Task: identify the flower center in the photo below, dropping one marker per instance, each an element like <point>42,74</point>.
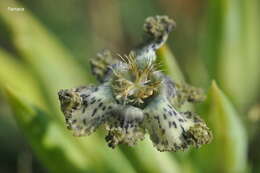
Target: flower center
<point>135,85</point>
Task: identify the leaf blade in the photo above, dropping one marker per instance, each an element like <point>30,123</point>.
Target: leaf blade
<point>228,150</point>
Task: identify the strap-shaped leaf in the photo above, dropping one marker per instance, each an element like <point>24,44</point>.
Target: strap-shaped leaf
<point>50,61</point>
<point>169,64</point>
<point>16,76</point>
<point>228,150</point>
<point>46,138</point>
<point>231,48</point>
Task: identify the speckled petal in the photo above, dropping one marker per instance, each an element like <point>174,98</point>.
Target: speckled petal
<point>170,130</point>
<point>93,107</point>
<point>124,126</point>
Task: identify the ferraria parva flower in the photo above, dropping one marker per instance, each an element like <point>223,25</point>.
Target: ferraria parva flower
<point>134,98</point>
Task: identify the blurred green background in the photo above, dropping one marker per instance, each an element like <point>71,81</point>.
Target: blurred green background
<point>46,47</point>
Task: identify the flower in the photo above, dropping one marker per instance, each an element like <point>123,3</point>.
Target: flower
<point>135,98</point>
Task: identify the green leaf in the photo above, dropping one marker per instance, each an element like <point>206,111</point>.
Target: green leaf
<point>169,64</point>
<point>17,77</point>
<point>54,67</point>
<point>104,155</point>
<point>231,48</point>
<point>212,37</point>
<point>147,159</point>
<point>228,150</point>
<point>50,144</point>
